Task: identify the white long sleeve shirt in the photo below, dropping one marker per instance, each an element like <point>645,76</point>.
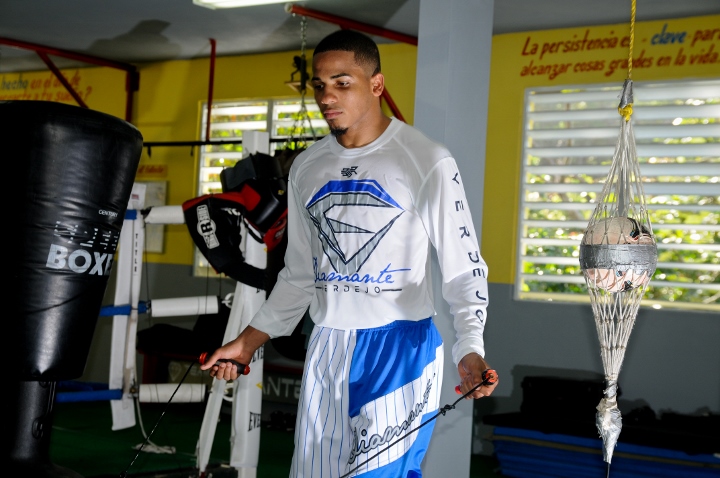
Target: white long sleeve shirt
<point>361,223</point>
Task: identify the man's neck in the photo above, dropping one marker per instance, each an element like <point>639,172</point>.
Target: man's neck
<point>365,133</point>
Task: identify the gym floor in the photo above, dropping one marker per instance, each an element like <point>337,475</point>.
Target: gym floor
<point>82,441</point>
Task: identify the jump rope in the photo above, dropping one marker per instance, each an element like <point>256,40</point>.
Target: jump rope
<point>243,369</point>
<point>489,377</point>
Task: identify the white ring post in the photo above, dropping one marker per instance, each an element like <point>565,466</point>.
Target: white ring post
<point>247,397</point>
<point>247,390</point>
<point>123,370</point>
<point>124,328</point>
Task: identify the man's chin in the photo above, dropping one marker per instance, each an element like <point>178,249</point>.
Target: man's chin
<point>338,131</point>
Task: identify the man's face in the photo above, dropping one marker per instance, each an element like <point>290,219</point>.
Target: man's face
<point>344,91</point>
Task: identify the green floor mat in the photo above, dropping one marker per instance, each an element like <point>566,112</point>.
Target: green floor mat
<point>82,440</point>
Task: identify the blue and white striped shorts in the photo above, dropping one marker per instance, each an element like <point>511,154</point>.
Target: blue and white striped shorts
<point>363,391</point>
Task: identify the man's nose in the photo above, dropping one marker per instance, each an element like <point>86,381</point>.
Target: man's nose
<point>326,97</point>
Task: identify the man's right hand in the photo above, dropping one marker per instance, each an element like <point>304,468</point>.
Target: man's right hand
<point>239,350</point>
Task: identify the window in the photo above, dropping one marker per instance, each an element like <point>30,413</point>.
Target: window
<point>282,118</point>
<point>288,125</point>
<point>569,141</point>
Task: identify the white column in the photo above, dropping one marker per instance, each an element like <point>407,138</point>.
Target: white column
<point>451,98</point>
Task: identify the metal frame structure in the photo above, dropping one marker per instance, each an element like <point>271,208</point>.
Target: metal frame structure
<point>211,85</point>
<point>132,76</point>
<point>132,79</point>
<point>347,23</point>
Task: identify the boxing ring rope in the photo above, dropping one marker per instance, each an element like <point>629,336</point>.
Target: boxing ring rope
<point>123,388</point>
<point>147,393</point>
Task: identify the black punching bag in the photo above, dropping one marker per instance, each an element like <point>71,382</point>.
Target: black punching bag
<point>70,172</point>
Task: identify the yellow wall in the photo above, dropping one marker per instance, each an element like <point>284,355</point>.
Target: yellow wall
<point>662,50</point>
<point>103,89</point>
<point>168,103</point>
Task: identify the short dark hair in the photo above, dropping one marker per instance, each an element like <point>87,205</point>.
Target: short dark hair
<point>362,46</point>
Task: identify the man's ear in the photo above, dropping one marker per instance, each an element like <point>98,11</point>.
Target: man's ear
<point>378,84</point>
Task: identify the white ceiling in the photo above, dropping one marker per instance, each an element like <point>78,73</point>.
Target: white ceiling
<point>136,31</point>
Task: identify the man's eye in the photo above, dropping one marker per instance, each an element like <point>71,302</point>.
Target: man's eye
<point>317,87</point>
<point>344,84</point>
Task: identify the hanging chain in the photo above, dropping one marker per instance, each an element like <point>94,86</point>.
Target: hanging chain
<point>303,113</point>
<point>303,35</point>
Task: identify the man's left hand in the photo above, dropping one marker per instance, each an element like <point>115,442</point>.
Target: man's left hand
<point>471,369</point>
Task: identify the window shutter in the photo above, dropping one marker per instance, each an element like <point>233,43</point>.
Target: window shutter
<point>569,142</point>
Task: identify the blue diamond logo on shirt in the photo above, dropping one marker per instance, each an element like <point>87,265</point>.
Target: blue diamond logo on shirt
<point>352,217</point>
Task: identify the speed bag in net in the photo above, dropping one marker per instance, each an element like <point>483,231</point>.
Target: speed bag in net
<point>71,171</point>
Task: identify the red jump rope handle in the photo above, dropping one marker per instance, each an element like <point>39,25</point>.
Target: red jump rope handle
<point>242,368</point>
<point>489,377</point>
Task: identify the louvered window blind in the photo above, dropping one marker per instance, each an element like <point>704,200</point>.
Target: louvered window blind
<point>569,139</point>
<point>230,119</point>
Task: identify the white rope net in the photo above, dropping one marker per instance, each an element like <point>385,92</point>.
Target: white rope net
<point>618,255</point>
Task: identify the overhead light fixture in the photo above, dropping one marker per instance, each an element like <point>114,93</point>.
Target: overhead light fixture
<point>213,4</point>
